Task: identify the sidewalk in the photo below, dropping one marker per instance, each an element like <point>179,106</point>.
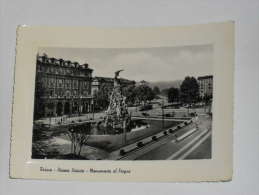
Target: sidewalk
<point>66,120</point>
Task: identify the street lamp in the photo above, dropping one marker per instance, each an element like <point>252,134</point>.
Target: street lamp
<point>124,126</point>
<point>163,118</point>
<point>93,107</point>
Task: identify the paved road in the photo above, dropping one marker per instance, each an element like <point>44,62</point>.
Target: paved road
<point>195,146</point>
<point>202,151</point>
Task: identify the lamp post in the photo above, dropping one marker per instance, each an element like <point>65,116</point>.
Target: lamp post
<point>93,107</point>
<point>124,126</point>
<point>163,118</point>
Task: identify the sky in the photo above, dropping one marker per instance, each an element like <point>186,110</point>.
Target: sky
<point>149,64</point>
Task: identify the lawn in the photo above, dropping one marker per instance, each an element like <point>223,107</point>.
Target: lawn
<point>43,139</point>
<point>113,142</point>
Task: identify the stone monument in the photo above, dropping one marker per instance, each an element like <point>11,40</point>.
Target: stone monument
<point>117,117</point>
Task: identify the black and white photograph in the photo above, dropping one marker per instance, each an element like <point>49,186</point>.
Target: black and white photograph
<point>129,97</point>
<point>151,103</point>
<point>133,104</point>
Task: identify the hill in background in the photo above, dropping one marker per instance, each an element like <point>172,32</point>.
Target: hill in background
<point>165,84</point>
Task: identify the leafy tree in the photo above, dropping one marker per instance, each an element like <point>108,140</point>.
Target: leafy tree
<point>173,94</point>
<point>207,99</point>
<point>156,90</point>
<point>189,90</point>
<point>144,93</point>
<point>130,93</point>
<point>101,98</point>
<point>164,92</point>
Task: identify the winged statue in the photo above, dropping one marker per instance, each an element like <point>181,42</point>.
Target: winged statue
<point>117,73</point>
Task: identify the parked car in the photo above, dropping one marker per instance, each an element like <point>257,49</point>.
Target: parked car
<point>140,144</point>
<point>122,152</point>
<point>146,107</point>
<point>145,114</point>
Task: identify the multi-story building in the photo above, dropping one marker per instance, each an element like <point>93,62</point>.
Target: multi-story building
<point>99,83</point>
<point>105,85</point>
<point>61,87</point>
<point>205,86</point>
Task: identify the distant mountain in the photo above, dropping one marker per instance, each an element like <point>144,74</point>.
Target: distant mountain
<point>165,84</point>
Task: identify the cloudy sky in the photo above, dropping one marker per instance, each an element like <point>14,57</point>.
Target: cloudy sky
<point>149,64</point>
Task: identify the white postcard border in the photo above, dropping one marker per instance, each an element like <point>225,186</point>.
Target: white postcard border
<point>29,39</point>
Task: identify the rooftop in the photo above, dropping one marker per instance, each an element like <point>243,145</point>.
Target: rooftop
<point>61,62</point>
<point>205,77</point>
<point>109,79</point>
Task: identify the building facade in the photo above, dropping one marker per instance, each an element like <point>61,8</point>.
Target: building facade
<point>205,86</point>
<point>99,83</point>
<point>62,88</point>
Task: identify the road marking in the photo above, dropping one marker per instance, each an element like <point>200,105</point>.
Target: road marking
<point>186,134</point>
<point>194,147</point>
<point>186,146</point>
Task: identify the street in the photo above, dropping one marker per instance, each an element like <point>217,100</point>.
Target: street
<point>189,148</point>
<point>192,141</point>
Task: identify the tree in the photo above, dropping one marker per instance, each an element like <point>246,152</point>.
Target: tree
<point>164,92</point>
<point>130,93</point>
<point>173,94</point>
<point>144,93</point>
<point>207,99</point>
<point>101,98</point>
<point>156,90</point>
<point>189,90</point>
<point>78,136</point>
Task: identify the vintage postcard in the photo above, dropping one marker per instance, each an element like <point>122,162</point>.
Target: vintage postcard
<point>123,104</point>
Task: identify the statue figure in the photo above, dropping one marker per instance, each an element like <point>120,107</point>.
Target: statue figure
<point>116,80</point>
<point>117,74</point>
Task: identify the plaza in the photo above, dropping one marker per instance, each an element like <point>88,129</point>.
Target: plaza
<point>196,143</point>
<point>78,116</point>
